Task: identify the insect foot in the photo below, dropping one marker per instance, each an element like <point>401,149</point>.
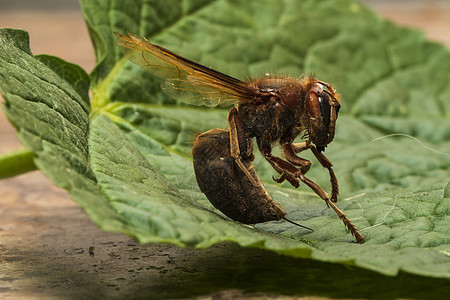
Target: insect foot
<point>348,224</point>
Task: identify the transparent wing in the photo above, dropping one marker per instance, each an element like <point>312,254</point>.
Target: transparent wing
<point>185,79</point>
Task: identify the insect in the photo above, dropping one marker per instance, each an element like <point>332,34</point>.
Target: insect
<point>272,109</point>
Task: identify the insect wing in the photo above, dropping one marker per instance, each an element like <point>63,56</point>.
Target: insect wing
<point>185,79</point>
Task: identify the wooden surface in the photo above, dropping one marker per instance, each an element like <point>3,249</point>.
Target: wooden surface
<point>48,246</point>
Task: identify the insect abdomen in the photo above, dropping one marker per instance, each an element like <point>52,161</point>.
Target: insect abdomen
<point>225,184</point>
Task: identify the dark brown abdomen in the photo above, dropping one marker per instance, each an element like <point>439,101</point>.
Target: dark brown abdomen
<point>225,185</point>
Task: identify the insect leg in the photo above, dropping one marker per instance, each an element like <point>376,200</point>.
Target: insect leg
<point>287,170</point>
<point>299,147</point>
<point>235,137</point>
<point>322,194</point>
<point>291,156</point>
<point>326,163</point>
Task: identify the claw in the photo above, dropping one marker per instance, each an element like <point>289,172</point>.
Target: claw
<point>280,179</point>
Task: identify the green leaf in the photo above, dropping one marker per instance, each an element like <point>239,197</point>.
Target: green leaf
<point>130,165</point>
<point>164,134</point>
<point>73,74</point>
<point>50,116</point>
<point>52,120</point>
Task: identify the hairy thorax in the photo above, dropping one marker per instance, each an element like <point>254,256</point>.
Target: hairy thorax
<point>277,113</point>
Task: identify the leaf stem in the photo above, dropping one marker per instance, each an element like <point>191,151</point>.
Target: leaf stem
<point>16,162</point>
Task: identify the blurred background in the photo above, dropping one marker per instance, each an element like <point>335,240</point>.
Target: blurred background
<point>37,215</point>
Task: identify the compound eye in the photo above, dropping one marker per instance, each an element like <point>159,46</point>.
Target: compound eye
<point>318,89</point>
<point>325,108</point>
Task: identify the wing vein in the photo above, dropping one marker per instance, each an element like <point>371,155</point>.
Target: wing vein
<point>185,79</point>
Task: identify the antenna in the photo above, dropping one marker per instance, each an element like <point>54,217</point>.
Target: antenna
<point>297,224</point>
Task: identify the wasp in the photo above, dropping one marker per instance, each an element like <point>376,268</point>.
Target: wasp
<point>271,109</point>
